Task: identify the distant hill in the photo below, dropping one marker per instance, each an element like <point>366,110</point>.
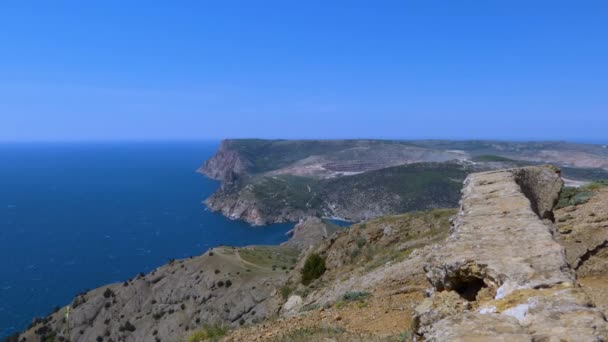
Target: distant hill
<point>266,181</point>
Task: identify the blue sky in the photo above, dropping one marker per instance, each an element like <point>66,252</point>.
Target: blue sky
<point>108,70</point>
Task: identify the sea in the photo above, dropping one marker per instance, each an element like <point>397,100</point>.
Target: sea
<point>75,216</point>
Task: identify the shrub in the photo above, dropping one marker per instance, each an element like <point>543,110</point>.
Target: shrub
<point>361,242</point>
<point>129,326</point>
<point>108,293</point>
<point>212,332</point>
<point>228,283</point>
<point>353,296</point>
<point>314,267</point>
<point>286,291</point>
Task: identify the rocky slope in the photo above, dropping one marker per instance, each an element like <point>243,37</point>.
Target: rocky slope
<point>226,286</point>
<point>376,193</point>
<point>503,272</point>
<point>268,181</point>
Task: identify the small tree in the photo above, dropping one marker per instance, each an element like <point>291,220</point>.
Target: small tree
<point>313,268</point>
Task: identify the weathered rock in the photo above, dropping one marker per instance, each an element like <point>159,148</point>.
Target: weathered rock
<point>443,304</point>
<point>583,231</point>
<point>498,240</point>
<point>501,246</point>
<point>292,307</point>
<point>226,163</point>
<point>472,327</point>
<point>311,231</point>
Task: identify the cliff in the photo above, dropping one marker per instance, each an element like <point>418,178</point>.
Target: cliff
<point>271,181</point>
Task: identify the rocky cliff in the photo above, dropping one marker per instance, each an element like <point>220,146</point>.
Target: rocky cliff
<point>226,164</point>
<point>268,181</point>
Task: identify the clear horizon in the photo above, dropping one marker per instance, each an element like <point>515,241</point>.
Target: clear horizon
<point>169,141</point>
<point>199,71</point>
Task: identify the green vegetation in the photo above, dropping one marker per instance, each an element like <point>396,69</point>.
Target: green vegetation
<point>414,229</point>
<point>574,196</point>
<point>405,336</point>
<point>288,191</point>
<point>209,333</point>
<point>400,189</point>
<point>270,256</point>
<point>491,158</point>
<point>356,295</point>
<point>267,155</point>
<point>286,291</point>
<point>314,267</point>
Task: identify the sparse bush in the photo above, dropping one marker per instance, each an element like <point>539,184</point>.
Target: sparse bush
<point>127,327</point>
<point>314,267</point>
<point>361,242</point>
<point>353,296</point>
<point>209,333</point>
<point>108,293</point>
<point>286,291</point>
<point>575,196</point>
<point>405,336</point>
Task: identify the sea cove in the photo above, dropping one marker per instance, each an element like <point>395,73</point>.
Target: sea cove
<point>75,216</point>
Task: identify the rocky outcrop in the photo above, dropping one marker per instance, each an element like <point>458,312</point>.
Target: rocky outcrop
<point>502,260</point>
<point>232,203</point>
<point>226,164</point>
<point>583,231</point>
<point>311,231</point>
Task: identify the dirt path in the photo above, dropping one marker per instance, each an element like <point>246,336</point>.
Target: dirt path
<point>238,255</point>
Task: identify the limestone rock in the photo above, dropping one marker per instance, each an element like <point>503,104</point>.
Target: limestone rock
<point>502,245</point>
<point>292,307</point>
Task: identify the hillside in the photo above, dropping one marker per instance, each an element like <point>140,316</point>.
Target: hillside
<point>392,190</point>
<point>466,283</point>
<point>268,181</point>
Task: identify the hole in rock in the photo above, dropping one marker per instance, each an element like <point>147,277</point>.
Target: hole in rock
<point>469,288</point>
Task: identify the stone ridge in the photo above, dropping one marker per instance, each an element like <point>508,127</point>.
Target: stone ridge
<point>502,269</point>
<point>498,236</point>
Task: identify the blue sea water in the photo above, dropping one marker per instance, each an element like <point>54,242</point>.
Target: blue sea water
<point>77,216</point>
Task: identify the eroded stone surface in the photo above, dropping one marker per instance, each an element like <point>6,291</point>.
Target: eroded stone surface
<point>497,236</point>
<point>502,258</point>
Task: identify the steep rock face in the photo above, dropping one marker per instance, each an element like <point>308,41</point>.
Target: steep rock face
<point>583,231</point>
<point>503,260</point>
<point>226,163</point>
